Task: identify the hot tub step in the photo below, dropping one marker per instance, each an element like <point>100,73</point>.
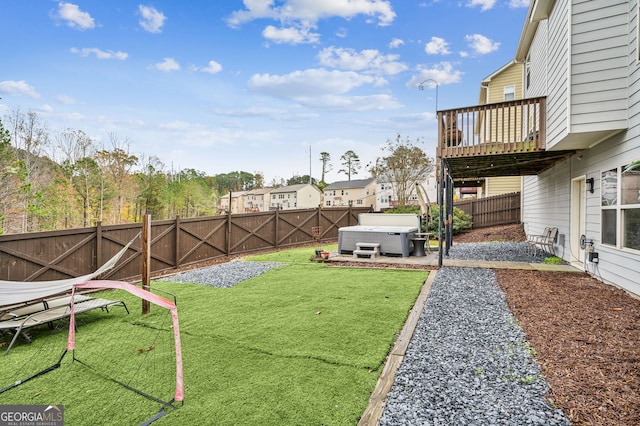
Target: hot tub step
<point>371,253</point>
<point>368,246</point>
<point>367,249</point>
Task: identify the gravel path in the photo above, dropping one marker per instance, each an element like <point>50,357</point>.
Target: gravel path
<point>224,275</point>
<point>468,362</point>
<point>502,252</point>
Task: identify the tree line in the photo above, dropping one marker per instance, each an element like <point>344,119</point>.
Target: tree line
<point>64,179</point>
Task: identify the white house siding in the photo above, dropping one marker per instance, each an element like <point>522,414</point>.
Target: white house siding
<point>599,54</point>
<point>558,73</point>
<point>547,197</point>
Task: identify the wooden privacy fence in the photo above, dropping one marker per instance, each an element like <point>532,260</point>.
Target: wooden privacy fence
<point>175,243</point>
<point>492,211</point>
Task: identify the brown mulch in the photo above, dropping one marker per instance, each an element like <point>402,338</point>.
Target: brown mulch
<point>586,335</point>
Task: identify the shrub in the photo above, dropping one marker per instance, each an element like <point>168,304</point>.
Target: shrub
<point>461,220</point>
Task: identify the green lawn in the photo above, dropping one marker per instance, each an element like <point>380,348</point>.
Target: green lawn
<point>302,344</point>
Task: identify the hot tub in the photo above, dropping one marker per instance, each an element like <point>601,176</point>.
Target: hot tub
<point>393,240</point>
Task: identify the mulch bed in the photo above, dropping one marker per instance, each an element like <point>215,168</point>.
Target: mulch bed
<point>587,338</point>
<point>586,335</point>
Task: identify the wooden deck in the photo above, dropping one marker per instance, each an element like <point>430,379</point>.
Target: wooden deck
<point>500,139</point>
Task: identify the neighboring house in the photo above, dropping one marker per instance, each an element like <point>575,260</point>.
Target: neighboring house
<point>357,192</point>
<point>506,84</point>
<point>257,200</point>
<point>386,197</point>
<point>573,136</point>
<point>235,204</point>
<point>301,196</point>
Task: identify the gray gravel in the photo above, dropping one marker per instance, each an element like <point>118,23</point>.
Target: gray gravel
<point>507,251</point>
<point>468,362</point>
<point>224,275</point>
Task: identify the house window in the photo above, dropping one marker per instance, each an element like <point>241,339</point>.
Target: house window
<point>328,203</point>
<point>621,206</point>
<point>609,199</point>
<point>359,202</point>
<point>509,93</point>
<point>630,205</point>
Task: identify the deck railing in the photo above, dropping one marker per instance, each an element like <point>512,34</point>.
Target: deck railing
<point>498,128</point>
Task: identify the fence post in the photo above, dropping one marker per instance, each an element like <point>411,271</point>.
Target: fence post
<point>177,239</point>
<point>146,259</point>
<point>276,227</point>
<point>98,244</point>
<point>228,245</point>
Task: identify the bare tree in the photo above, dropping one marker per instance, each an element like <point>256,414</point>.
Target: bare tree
<point>117,165</point>
<point>29,136</point>
<point>6,186</point>
<point>405,165</point>
<point>74,152</point>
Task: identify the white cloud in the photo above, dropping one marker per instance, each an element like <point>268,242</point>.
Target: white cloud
<point>18,88</point>
<point>290,35</point>
<point>212,68</point>
<point>152,20</point>
<point>351,103</point>
<point>321,88</point>
<point>313,11</point>
<point>74,17</point>
<point>304,14</point>
<point>271,113</point>
<point>484,4</point>
<point>443,73</point>
<point>437,46</point>
<point>100,54</point>
<point>519,3</point>
<point>395,43</point>
<point>66,100</point>
<point>481,44</point>
<point>369,60</point>
<point>169,64</point>
<point>310,82</point>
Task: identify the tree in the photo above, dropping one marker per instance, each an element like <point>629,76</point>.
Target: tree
<point>116,165</point>
<point>29,136</point>
<point>325,158</point>
<point>6,158</point>
<point>75,150</point>
<point>405,165</point>
<point>296,180</point>
<point>350,164</point>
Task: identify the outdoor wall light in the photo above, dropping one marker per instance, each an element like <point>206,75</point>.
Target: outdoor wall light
<point>590,183</point>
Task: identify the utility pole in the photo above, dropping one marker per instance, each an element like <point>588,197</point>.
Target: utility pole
<point>310,180</point>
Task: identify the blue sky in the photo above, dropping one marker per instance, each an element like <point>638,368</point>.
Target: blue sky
<point>254,85</point>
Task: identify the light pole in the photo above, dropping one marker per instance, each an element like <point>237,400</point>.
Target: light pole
<point>440,183</point>
<point>421,87</point>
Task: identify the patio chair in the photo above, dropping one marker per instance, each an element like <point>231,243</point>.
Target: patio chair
<point>545,242</point>
<point>20,320</point>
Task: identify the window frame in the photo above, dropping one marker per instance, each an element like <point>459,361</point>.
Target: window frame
<point>618,206</point>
